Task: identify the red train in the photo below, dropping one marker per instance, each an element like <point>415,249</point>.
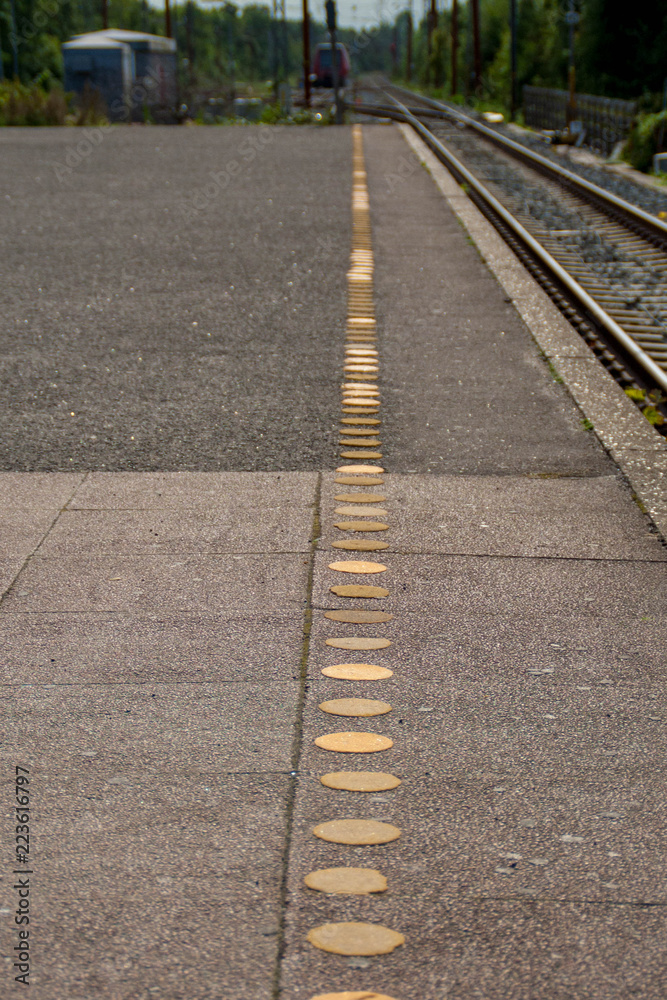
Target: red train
<point>323,65</point>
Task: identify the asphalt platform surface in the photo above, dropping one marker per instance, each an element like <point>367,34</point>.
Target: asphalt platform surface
<point>173,333</point>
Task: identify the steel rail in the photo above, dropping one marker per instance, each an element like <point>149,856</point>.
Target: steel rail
<point>643,219</point>
<point>579,294</point>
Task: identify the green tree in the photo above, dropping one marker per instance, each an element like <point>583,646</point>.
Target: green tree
<point>622,48</point>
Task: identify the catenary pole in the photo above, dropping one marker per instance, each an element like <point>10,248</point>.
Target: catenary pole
<point>513,94</point>
<point>455,46</point>
<point>306,54</point>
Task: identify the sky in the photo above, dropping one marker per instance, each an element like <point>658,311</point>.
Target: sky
<point>351,13</point>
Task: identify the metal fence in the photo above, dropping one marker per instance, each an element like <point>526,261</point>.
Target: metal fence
<point>606,121</point>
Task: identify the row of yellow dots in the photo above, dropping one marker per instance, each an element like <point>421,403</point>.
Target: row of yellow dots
<point>359,441</point>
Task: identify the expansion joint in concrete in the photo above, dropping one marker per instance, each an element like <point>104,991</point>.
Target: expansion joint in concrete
<point>41,540</point>
<point>297,739</point>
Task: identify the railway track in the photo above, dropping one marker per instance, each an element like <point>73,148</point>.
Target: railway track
<point>602,259</point>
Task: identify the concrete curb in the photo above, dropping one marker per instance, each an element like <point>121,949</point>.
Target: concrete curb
<point>633,444</point>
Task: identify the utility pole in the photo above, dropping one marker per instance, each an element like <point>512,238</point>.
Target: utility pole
<point>231,55</point>
<point>13,38</point>
<point>167,19</point>
<point>408,45</point>
<point>306,54</point>
<point>105,15</point>
<point>432,24</point>
<point>572,20</point>
<point>455,46</point>
<point>280,54</point>
<point>477,52</point>
<point>512,60</point>
<point>189,41</point>
<point>331,25</point>
<point>274,53</point>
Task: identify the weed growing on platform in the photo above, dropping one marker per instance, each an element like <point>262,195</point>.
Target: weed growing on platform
<point>648,403</point>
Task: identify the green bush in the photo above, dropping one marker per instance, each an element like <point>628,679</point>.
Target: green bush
<point>31,104</point>
<point>644,140</point>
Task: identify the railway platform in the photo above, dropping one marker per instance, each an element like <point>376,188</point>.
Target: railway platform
<point>346,680</point>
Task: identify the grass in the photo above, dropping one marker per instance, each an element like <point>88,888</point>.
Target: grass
<point>31,104</point>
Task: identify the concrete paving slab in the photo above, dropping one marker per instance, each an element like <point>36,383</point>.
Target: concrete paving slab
<point>44,491</point>
<point>176,726</point>
<point>238,833</point>
<point>501,586</point>
<point>194,490</point>
<point>9,570</point>
<point>102,648</point>
<point>585,518</point>
<point>147,583</point>
<point>240,529</point>
<point>21,531</point>
<point>161,936</point>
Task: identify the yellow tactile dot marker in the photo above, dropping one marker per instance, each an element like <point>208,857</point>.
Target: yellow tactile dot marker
<point>360,398</point>
<point>360,525</point>
<point>358,590</point>
<point>361,781</point>
<point>360,498</point>
<point>354,995</point>
<point>346,881</point>
<point>363,832</point>
<point>354,742</point>
<point>366,470</point>
<point>358,642</point>
<point>360,545</point>
<point>360,442</point>
<point>362,511</point>
<point>355,708</point>
<point>358,481</point>
<point>357,672</point>
<point>353,617</point>
<point>357,566</point>
<point>355,939</point>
